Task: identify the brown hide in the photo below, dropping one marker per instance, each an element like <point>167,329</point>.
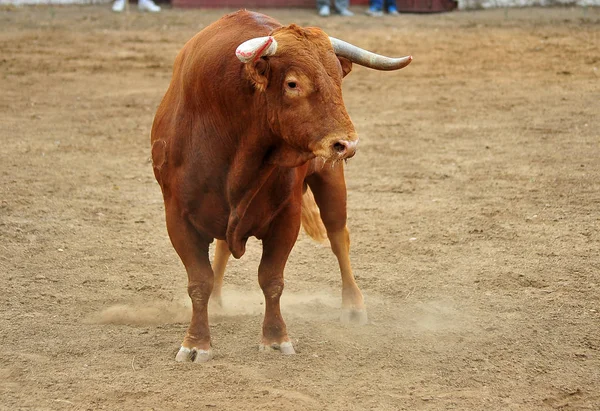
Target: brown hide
<point>232,142</point>
<point>233,147</point>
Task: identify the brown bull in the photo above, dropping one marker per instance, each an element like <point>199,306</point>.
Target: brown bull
<point>253,116</point>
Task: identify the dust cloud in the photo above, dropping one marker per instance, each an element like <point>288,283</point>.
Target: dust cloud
<point>235,303</point>
<point>147,314</point>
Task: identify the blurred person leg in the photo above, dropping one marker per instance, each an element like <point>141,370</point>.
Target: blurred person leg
<point>392,9</point>
<point>341,7</point>
<point>323,8</point>
<point>375,8</point>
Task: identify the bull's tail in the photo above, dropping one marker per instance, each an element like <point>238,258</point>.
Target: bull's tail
<point>311,218</point>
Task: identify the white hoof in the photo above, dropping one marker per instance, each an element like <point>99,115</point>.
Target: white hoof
<point>353,316</point>
<point>193,355</point>
<point>285,348</point>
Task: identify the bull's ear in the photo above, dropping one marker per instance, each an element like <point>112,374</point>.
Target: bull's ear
<point>258,73</point>
<point>346,65</point>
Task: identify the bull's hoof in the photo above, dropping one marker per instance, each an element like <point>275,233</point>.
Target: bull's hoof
<point>354,316</point>
<point>193,355</point>
<point>285,348</point>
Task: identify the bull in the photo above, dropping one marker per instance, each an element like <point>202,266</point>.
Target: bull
<point>248,141</point>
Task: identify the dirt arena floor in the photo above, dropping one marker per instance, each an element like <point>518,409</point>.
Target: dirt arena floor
<point>474,208</point>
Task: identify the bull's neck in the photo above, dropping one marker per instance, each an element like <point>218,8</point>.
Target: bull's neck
<point>258,146</point>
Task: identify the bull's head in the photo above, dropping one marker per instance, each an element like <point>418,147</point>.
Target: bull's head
<point>301,71</point>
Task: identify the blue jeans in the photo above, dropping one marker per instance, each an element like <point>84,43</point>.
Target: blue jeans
<point>378,4</point>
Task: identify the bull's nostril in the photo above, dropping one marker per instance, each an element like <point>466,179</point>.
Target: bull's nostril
<point>339,147</point>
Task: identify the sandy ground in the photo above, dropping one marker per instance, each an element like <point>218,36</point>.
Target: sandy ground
<point>474,207</point>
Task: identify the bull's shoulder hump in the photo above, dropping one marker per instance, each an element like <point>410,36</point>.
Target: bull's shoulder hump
<point>252,18</point>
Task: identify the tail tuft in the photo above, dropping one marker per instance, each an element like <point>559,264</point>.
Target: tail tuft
<point>311,218</point>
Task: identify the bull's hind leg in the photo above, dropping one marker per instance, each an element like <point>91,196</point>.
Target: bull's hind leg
<point>193,251</point>
<point>329,189</point>
<point>222,254</point>
<point>277,246</point>
<point>353,306</point>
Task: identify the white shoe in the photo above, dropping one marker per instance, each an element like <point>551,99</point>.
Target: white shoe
<point>346,13</point>
<point>374,13</point>
<point>324,11</point>
<point>118,6</point>
<point>148,5</point>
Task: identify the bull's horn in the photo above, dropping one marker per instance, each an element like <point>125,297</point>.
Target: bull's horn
<point>366,58</point>
<point>255,48</point>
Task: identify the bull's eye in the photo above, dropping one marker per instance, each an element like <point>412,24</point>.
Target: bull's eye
<point>291,84</point>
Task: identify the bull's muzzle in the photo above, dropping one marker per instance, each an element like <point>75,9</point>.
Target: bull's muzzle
<point>344,149</point>
<point>336,146</point>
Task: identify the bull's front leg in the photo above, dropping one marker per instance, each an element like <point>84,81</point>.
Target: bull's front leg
<point>193,251</point>
<point>277,246</point>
